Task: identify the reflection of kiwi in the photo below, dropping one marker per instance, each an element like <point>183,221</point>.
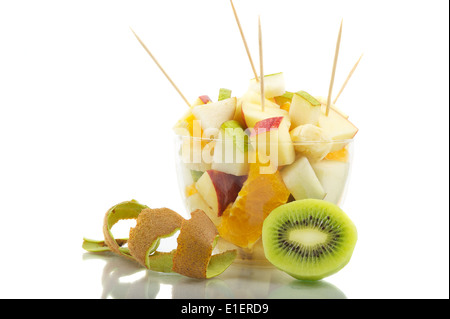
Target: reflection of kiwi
<point>307,290</point>
<point>309,239</point>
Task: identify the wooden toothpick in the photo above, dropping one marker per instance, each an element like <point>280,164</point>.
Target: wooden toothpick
<point>348,78</point>
<point>243,39</point>
<point>160,67</point>
<point>336,54</point>
<point>261,70</point>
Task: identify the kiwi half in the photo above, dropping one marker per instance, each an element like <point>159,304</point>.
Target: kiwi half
<point>309,239</point>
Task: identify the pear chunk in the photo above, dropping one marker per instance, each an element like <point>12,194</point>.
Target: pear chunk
<point>212,115</point>
<point>301,180</point>
<point>230,152</point>
<point>333,176</point>
<point>304,109</point>
<point>273,85</point>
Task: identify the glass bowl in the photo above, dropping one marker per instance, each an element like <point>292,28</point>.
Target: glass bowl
<point>238,184</point>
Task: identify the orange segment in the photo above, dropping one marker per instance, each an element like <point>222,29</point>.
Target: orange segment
<point>341,155</point>
<point>285,106</point>
<point>190,190</point>
<point>242,221</point>
<point>187,122</point>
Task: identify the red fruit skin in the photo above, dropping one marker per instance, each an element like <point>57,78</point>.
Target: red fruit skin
<point>205,99</point>
<point>227,188</point>
<point>267,125</point>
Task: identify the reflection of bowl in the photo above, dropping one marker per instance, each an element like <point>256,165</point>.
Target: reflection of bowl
<point>210,179</point>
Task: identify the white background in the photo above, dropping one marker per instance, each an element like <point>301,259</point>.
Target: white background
<point>86,117</point>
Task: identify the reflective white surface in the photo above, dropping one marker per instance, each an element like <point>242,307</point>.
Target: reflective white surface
<point>124,279</point>
<point>86,118</point>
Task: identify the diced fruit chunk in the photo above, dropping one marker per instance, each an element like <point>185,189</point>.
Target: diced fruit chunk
<point>224,94</point>
<point>185,125</point>
<point>286,97</point>
<point>304,109</point>
<point>202,99</point>
<point>219,189</point>
<point>230,152</point>
<point>196,175</point>
<point>195,154</point>
<point>196,201</point>
<point>311,141</point>
<point>324,101</point>
<point>336,126</point>
<point>242,221</point>
<point>212,115</point>
<point>272,141</point>
<point>341,155</point>
<point>190,190</point>
<point>301,180</point>
<point>252,113</point>
<point>333,177</point>
<point>255,98</point>
<point>273,85</point>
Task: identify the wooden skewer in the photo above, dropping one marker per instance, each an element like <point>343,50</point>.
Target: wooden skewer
<point>160,67</point>
<point>243,39</point>
<point>334,69</point>
<point>348,78</point>
<point>261,71</point>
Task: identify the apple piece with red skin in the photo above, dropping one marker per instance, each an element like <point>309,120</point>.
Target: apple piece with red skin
<point>202,99</point>
<point>267,124</point>
<point>253,113</point>
<point>219,189</point>
<point>270,133</point>
<point>205,99</point>
<point>337,126</point>
<point>324,101</point>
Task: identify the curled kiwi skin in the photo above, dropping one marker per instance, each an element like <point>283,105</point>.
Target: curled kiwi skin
<point>193,256</point>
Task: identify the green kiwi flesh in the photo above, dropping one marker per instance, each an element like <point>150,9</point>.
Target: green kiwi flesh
<point>309,239</point>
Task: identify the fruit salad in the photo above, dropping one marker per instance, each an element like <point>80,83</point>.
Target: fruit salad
<point>239,158</point>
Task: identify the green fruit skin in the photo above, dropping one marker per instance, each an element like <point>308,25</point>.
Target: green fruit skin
<point>238,134</point>
<point>352,237</point>
<point>224,94</point>
<point>311,100</point>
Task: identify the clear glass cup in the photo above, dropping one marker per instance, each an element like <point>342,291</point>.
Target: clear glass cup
<point>234,183</point>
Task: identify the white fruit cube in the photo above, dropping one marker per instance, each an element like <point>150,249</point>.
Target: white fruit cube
<point>253,113</point>
<point>301,180</point>
<point>273,85</point>
<point>196,156</point>
<point>229,157</point>
<point>196,201</point>
<point>255,98</point>
<point>336,126</point>
<point>333,177</point>
<point>304,109</point>
<point>271,138</point>
<point>212,115</point>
